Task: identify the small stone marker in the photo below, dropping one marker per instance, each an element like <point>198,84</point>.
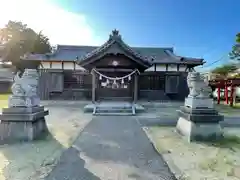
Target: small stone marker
<point>198,120</point>
<point>24,119</point>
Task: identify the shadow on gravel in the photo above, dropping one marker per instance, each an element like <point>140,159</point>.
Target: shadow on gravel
<point>116,142</point>
<point>71,167</point>
<point>121,141</point>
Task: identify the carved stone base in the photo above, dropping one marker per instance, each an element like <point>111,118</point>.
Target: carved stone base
<point>199,131</point>
<point>22,124</point>
<point>199,124</point>
<point>200,115</point>
<point>23,101</point>
<point>195,102</point>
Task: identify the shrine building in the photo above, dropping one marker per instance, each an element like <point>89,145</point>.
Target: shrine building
<point>113,71</point>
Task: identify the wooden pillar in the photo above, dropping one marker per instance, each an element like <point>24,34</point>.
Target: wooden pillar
<point>135,87</point>
<point>226,92</point>
<point>93,86</point>
<point>231,96</point>
<point>218,96</point>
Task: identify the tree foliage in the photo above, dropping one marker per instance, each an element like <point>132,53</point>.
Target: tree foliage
<point>224,70</point>
<point>19,39</point>
<point>235,53</point>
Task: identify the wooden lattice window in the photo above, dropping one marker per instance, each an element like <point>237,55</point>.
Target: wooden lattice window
<point>152,82</point>
<point>77,80</point>
<point>172,83</point>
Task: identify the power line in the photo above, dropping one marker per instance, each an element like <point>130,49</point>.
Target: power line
<point>220,59</point>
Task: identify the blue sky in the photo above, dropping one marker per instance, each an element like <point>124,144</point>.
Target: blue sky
<point>197,28</point>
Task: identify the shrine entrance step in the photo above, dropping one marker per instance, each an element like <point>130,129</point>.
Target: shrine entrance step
<point>115,99</point>
<point>114,109</point>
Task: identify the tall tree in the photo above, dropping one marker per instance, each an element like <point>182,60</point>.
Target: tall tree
<point>18,39</point>
<point>235,53</point>
<point>224,70</point>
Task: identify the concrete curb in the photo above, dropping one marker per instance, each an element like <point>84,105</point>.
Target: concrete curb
<point>175,170</point>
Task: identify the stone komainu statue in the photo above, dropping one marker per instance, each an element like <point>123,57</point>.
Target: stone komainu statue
<point>197,86</point>
<point>26,85</point>
<point>24,89</point>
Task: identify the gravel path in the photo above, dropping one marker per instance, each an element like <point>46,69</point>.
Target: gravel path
<point>111,148</point>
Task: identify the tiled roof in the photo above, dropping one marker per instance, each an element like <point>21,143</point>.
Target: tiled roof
<point>82,53</point>
<point>70,53</point>
<point>115,38</point>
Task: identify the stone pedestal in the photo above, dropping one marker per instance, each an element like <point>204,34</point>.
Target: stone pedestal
<point>22,124</point>
<point>199,124</point>
<point>24,119</point>
<point>198,120</point>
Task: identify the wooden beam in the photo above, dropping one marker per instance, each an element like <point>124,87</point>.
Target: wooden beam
<point>226,93</point>
<point>114,70</point>
<point>218,97</point>
<point>135,88</point>
<point>93,86</point>
<point>231,96</point>
<point>74,66</point>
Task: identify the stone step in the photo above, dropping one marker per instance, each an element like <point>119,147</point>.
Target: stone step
<point>133,110</point>
<point>113,114</point>
<point>114,110</point>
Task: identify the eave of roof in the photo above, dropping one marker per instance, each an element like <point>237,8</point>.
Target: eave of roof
<point>174,59</point>
<point>147,55</point>
<point>115,37</point>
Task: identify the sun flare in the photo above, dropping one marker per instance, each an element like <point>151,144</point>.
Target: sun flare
<point>60,25</point>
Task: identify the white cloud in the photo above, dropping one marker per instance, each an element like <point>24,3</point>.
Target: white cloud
<point>60,25</point>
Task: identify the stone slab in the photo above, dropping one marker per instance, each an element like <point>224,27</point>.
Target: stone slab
<point>11,131</point>
<point>90,107</point>
<point>23,117</point>
<point>201,118</point>
<point>27,101</point>
<point>22,110</point>
<point>139,107</point>
<point>195,102</point>
<point>199,131</point>
<point>198,110</point>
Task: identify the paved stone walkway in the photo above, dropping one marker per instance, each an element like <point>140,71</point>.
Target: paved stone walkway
<point>111,148</point>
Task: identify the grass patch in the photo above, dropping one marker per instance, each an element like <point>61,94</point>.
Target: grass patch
<point>207,159</point>
<point>4,96</point>
<point>4,100</point>
<point>222,162</point>
<point>227,110</point>
<point>228,141</point>
<point>236,106</point>
<point>218,164</point>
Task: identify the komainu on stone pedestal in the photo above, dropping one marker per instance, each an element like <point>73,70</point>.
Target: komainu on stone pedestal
<point>198,120</point>
<point>24,119</point>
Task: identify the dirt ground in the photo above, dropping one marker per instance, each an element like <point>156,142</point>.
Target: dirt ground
<point>198,161</point>
<point>33,161</point>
